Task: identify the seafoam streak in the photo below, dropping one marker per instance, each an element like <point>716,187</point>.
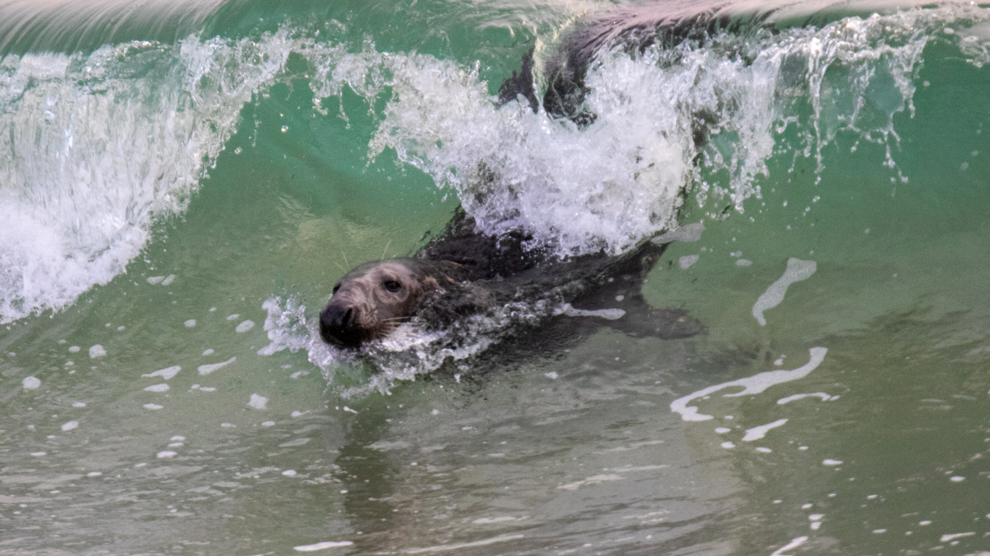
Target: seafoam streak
<point>750,385</point>
<point>797,270</point>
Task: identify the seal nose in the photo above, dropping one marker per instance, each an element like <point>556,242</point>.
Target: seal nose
<point>337,325</point>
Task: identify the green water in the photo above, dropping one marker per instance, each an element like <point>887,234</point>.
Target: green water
<point>169,201</point>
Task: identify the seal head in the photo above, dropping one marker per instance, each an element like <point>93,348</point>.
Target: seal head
<point>373,299</point>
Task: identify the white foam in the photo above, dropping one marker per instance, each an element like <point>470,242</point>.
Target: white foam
<point>292,443</point>
<point>70,425</point>
<point>245,326</point>
<point>750,385</point>
<point>152,406</point>
<point>687,261</point>
<point>795,542</point>
<point>321,546</point>
<point>687,233</point>
<point>207,369</point>
<point>607,314</point>
<point>821,395</point>
<point>166,454</point>
<point>165,373</point>
<point>759,432</point>
<point>30,383</point>
<point>258,401</point>
<point>158,388</point>
<point>97,351</point>
<point>797,270</point>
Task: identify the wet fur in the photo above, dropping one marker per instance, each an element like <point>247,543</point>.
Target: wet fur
<point>463,272</point>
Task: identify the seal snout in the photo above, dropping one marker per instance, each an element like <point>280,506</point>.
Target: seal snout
<point>337,325</point>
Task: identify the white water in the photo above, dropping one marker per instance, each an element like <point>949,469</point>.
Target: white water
<point>100,146</point>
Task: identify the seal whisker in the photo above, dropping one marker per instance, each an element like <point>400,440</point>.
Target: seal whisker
<point>385,250</point>
<point>396,319</point>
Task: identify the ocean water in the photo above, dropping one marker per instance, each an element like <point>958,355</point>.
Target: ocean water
<point>182,183</point>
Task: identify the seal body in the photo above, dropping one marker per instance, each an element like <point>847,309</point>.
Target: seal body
<point>463,273</point>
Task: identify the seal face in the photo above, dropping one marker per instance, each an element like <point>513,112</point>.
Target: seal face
<point>371,300</point>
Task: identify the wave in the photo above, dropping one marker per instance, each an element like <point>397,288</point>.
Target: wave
<point>101,146</point>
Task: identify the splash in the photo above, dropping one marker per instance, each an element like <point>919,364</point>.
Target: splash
<point>101,146</point>
<point>700,119</point>
<point>413,349</point>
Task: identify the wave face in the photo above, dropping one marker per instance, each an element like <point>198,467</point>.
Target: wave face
<point>101,146</point>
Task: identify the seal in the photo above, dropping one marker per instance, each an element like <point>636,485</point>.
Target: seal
<point>463,273</point>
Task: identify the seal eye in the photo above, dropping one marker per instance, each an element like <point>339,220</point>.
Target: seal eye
<point>392,285</point>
